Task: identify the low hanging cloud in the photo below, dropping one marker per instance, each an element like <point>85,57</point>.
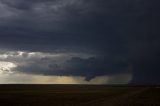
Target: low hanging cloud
<point>65,65</point>
<point>76,66</point>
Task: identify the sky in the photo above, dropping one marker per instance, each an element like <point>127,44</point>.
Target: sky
<point>79,41</point>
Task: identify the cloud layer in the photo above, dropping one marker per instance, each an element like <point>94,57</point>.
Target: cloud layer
<point>83,65</point>
<point>82,38</point>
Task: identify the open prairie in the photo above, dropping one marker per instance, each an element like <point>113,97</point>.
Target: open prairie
<point>79,95</point>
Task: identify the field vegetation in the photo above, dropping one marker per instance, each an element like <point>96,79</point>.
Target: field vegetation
<point>79,95</point>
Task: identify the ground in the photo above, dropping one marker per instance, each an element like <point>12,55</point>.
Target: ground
<point>79,95</point>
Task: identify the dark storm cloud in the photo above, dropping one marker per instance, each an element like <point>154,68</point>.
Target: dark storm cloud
<point>76,66</point>
<point>116,29</point>
<point>43,25</point>
<point>145,43</point>
<point>60,25</point>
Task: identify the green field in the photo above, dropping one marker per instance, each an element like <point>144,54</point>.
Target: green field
<point>78,95</point>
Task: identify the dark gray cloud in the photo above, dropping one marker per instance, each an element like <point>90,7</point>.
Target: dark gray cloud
<point>63,64</point>
<point>76,66</point>
<point>126,30</point>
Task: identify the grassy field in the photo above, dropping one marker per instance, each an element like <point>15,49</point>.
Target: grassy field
<point>78,95</point>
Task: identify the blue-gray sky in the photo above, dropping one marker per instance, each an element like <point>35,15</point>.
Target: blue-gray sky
<point>114,39</point>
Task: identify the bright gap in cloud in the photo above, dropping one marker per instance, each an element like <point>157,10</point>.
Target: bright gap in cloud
<point>6,67</point>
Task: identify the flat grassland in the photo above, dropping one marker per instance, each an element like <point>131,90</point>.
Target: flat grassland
<point>79,95</point>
